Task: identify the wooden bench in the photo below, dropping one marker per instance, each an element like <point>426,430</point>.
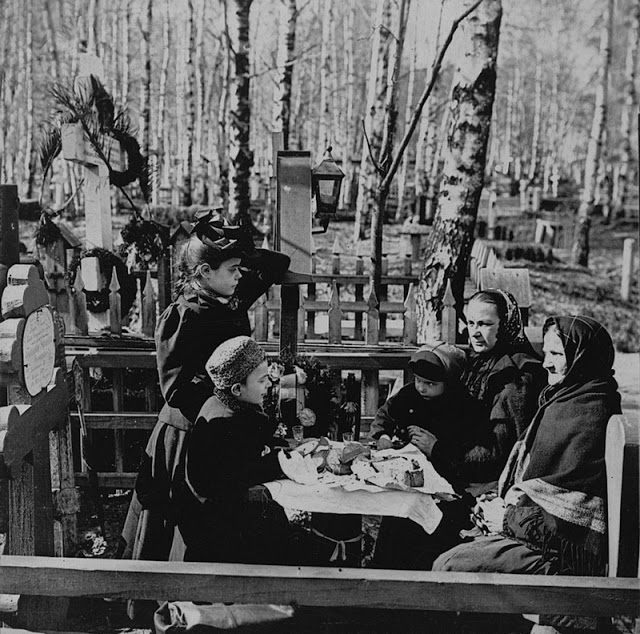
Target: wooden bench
<point>618,594</point>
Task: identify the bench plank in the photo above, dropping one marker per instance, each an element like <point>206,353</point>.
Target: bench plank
<point>309,586</point>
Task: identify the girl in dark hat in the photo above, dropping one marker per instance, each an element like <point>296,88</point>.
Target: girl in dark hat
<point>549,516</point>
<point>222,275</point>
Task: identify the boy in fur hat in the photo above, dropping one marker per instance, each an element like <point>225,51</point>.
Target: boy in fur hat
<point>432,411</point>
<point>224,513</point>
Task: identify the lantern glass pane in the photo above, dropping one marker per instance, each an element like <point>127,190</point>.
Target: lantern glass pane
<point>325,189</point>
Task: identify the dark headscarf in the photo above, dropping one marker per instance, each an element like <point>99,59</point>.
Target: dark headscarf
<point>559,464</point>
<point>511,340</point>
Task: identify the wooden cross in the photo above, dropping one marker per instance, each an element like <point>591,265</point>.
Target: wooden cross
<point>77,148</point>
<point>38,395</point>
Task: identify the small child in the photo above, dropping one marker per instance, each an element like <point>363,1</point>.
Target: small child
<point>431,412</point>
<point>223,515</point>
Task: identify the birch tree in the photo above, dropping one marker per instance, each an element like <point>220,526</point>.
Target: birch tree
<point>190,105</point>
<point>286,51</point>
<point>144,125</point>
<point>349,75</point>
<point>628,109</point>
<point>374,117</point>
<point>240,156</point>
<point>450,241</point>
<point>580,249</point>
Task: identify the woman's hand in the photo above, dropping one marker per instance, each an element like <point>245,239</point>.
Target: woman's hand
<point>422,439</point>
<point>490,510</point>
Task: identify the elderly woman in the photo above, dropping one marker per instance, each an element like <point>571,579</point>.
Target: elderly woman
<point>503,376</point>
<point>550,517</point>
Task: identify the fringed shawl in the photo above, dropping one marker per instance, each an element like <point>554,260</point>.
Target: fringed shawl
<point>559,463</point>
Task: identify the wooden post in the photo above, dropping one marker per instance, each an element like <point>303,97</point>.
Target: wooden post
<point>492,215</point>
<point>261,319</point>
<point>78,306</point>
<point>448,328</point>
<point>384,270</point>
<point>9,237</point>
<point>311,295</point>
<point>627,268</point>
<point>359,293</point>
<point>524,196</point>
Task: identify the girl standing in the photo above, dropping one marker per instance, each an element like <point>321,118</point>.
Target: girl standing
<point>222,275</point>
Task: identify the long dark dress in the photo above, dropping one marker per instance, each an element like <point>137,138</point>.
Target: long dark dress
<point>554,484</point>
<point>188,332</point>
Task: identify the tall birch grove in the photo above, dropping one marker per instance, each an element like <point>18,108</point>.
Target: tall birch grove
<point>207,83</point>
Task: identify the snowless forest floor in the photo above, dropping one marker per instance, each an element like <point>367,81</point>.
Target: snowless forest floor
<point>557,288</point>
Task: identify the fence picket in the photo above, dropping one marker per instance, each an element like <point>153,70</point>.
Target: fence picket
<point>148,307</point>
<point>335,315</point>
<point>261,319</point>
<point>115,308</point>
<point>373,318</point>
<point>448,322</point>
<point>410,325</point>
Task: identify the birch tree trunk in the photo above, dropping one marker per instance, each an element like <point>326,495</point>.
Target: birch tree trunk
<point>190,105</point>
<point>384,158</point>
<point>537,118</point>
<point>162,144</point>
<point>29,152</point>
<point>580,249</point>
<point>324,137</point>
<point>240,156</point>
<point>374,118</point>
<point>144,124</point>
<point>52,45</point>
<point>408,111</point>
<point>628,109</point>
<point>223,145</point>
<point>350,80</point>
<point>286,51</point>
<point>198,83</point>
<point>473,93</point>
<point>124,24</point>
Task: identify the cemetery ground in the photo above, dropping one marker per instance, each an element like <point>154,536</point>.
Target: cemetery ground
<point>557,287</point>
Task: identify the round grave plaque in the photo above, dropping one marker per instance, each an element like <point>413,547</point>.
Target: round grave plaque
<point>38,350</point>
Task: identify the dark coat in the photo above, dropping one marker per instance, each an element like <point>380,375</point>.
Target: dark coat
<point>188,332</point>
<point>446,417</point>
<point>502,411</point>
<point>222,515</point>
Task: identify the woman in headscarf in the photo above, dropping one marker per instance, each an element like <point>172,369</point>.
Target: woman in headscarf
<point>503,376</point>
<point>549,516</point>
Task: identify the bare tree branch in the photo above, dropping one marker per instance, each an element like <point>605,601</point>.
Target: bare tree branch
<point>366,138</point>
<point>386,183</point>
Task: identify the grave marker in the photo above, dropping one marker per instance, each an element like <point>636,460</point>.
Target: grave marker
<point>37,393</point>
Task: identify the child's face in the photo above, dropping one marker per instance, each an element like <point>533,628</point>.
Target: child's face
<point>224,279</point>
<point>429,389</point>
<point>254,389</point>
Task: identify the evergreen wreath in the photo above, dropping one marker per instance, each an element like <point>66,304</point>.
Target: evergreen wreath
<point>98,301</point>
<point>143,242</point>
<point>93,107</point>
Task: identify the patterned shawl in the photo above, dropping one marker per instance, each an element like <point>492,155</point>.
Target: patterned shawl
<point>559,463</point>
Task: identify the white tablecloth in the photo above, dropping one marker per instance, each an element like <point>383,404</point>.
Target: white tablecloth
<point>345,494</point>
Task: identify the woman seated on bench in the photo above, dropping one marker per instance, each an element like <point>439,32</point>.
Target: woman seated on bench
<point>549,516</point>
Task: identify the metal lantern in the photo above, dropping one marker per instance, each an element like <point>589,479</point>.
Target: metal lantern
<point>326,179</point>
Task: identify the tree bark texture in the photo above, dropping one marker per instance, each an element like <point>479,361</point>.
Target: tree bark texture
<point>450,241</point>
<point>628,109</point>
<point>580,248</point>
<point>144,125</point>
<point>240,156</point>
<point>374,117</point>
<point>350,79</point>
<point>190,105</point>
<point>537,122</point>
<point>286,51</point>
<point>162,146</point>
